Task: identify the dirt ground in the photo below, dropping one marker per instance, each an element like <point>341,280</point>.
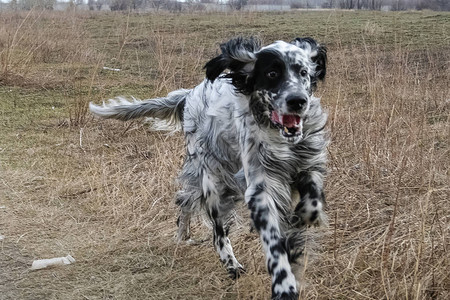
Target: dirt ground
<point>102,191</point>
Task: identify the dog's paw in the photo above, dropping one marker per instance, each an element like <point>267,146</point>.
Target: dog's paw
<point>236,272</point>
<point>291,295</point>
<point>310,213</point>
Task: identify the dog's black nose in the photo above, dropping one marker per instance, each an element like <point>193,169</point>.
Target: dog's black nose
<point>296,102</point>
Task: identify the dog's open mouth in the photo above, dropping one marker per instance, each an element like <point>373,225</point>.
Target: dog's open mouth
<point>290,125</point>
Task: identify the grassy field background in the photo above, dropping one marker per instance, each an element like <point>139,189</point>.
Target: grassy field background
<point>103,191</point>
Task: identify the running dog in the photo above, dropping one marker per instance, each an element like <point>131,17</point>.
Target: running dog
<point>255,132</point>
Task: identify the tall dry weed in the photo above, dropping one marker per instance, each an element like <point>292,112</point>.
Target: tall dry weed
<point>175,60</point>
<point>40,46</point>
<point>389,180</point>
<point>42,49</point>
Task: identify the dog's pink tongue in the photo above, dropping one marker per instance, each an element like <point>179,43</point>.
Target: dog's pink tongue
<point>290,120</point>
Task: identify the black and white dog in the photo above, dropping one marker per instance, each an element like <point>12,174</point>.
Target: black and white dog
<point>258,132</point>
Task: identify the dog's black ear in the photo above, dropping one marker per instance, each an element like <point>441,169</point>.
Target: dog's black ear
<point>318,54</point>
<point>236,53</point>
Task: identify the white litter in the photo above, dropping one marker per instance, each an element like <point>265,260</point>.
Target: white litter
<point>44,263</point>
<point>2,206</point>
<point>111,69</point>
<point>2,237</point>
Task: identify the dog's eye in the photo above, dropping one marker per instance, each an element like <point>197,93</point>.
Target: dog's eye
<point>272,74</point>
<point>303,73</point>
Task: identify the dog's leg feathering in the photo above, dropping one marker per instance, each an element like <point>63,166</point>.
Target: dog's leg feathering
<point>184,223</point>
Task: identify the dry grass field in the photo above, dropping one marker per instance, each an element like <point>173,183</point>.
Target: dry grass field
<point>103,191</point>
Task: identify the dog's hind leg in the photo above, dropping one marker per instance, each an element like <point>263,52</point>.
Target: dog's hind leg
<point>189,202</point>
<point>219,204</point>
<point>223,246</point>
<point>184,222</point>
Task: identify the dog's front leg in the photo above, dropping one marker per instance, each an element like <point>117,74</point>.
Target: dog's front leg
<point>266,220</point>
<point>309,211</point>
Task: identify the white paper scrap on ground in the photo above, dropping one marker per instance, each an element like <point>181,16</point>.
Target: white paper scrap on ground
<point>44,263</point>
<point>111,69</point>
<point>2,237</point>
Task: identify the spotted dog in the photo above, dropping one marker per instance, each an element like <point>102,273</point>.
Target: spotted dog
<point>255,132</point>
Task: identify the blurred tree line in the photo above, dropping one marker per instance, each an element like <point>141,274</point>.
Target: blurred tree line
<point>29,4</point>
<point>443,5</point>
<point>390,4</point>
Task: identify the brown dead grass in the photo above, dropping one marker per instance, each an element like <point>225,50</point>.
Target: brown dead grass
<point>102,190</point>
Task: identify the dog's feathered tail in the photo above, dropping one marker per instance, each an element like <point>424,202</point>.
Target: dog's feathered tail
<point>167,109</point>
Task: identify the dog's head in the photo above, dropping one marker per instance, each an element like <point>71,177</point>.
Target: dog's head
<point>279,78</point>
